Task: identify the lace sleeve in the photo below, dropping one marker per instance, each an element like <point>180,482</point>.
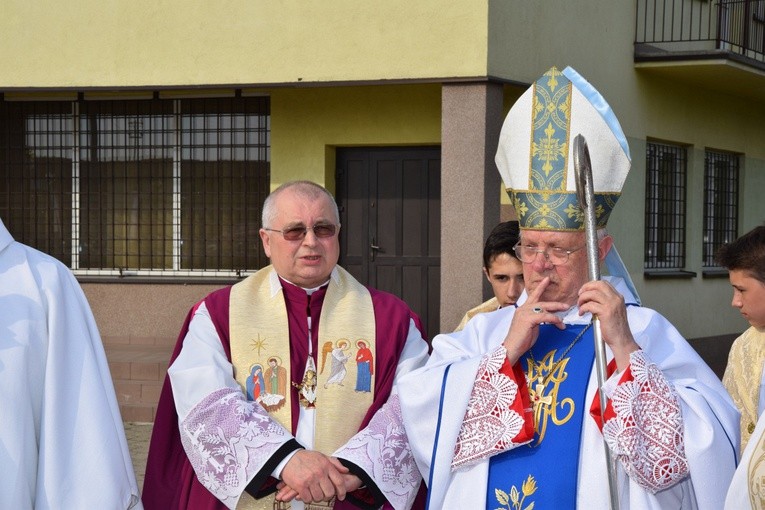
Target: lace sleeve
<point>382,450</point>
<point>228,440</point>
<point>647,433</point>
<point>492,420</point>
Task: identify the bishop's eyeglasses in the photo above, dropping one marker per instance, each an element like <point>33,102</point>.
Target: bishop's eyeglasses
<point>557,256</point>
<point>298,232</point>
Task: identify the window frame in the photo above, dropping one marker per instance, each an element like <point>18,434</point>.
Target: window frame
<point>71,161</point>
<point>665,250</point>
<point>719,230</point>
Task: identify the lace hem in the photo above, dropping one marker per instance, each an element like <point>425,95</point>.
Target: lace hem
<point>647,433</point>
<point>228,440</point>
<point>382,451</point>
<point>490,424</point>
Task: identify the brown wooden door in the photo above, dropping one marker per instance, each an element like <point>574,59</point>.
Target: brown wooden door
<point>390,210</point>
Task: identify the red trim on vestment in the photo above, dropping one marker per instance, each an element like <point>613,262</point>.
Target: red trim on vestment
<point>595,407</point>
<point>522,403</point>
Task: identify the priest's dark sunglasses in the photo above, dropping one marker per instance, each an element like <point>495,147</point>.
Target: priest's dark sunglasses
<point>298,232</point>
<point>528,254</point>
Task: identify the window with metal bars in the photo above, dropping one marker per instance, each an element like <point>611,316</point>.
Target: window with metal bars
<point>720,202</point>
<point>666,167</point>
<point>145,187</point>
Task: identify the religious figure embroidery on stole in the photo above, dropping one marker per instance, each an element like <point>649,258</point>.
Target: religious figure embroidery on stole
<point>276,384</point>
<point>307,387</point>
<point>547,376</point>
<point>266,388</point>
<point>515,500</point>
<point>255,383</point>
<point>338,360</point>
<point>365,367</point>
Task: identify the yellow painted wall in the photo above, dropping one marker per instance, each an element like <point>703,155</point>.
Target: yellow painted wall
<point>96,43</point>
<point>308,123</point>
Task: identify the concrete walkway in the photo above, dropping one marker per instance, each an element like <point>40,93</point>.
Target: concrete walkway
<point>138,436</point>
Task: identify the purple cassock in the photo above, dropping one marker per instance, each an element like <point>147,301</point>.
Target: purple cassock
<point>170,481</point>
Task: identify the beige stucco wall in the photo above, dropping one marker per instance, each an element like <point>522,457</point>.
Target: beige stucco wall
<point>142,314</point>
<point>699,119</point>
<point>92,43</point>
<point>309,123</point>
<point>698,306</point>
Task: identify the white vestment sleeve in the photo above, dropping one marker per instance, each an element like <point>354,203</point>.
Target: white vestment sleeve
<point>227,439</point>
<point>201,367</point>
<point>62,441</point>
<point>433,406</point>
<point>709,425</point>
<point>381,448</point>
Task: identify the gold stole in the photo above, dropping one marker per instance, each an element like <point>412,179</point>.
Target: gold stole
<point>756,473</point>
<point>259,333</point>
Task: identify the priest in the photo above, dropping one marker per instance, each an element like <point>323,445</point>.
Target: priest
<point>506,413</point>
<point>313,442</point>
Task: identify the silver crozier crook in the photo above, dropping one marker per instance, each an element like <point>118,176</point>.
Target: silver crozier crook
<point>585,193</point>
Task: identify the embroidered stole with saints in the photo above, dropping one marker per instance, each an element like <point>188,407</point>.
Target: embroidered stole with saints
<point>260,353</point>
<point>544,472</point>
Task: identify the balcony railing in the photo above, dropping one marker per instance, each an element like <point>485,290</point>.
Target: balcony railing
<point>701,27</point>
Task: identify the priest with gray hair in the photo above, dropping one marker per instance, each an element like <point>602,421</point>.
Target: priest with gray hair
<point>507,413</point>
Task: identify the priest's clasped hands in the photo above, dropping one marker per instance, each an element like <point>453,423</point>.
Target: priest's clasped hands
<point>311,476</point>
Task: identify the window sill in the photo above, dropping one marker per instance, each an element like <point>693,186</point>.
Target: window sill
<point>661,274</point>
<point>177,280</point>
<point>714,272</point>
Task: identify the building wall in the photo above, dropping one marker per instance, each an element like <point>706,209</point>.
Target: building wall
<point>293,51</point>
<point>139,324</point>
<point>309,123</point>
<point>142,42</point>
<point>682,114</point>
<point>472,118</point>
<point>527,38</point>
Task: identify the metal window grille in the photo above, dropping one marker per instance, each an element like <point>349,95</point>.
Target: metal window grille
<point>720,202</point>
<point>36,142</point>
<point>665,206</point>
<point>154,187</point>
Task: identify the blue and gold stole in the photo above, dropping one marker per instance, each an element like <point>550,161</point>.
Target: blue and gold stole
<point>544,472</point>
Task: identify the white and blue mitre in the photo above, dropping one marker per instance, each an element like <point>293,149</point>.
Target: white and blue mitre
<point>536,162</point>
<point>535,154</point>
